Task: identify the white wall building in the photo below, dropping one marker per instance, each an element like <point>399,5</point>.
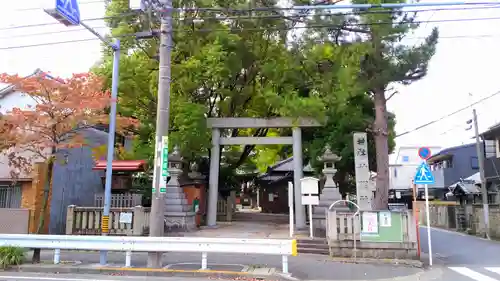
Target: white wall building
<point>406,161</point>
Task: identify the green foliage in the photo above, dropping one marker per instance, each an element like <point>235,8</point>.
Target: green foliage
<point>10,256</point>
<point>384,60</point>
<point>227,69</point>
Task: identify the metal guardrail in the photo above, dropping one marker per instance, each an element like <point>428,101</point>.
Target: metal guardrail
<point>128,244</point>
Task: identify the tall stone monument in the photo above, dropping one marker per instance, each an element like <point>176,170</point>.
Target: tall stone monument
<point>179,215</point>
<point>329,194</point>
<point>364,193</point>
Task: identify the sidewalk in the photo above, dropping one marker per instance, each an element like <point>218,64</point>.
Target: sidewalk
<point>302,267</point>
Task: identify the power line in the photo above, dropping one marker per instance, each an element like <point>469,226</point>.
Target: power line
<point>242,29</point>
<point>39,8</point>
<point>255,17</point>
<point>447,115</point>
<point>58,23</point>
<point>261,10</point>
<point>93,39</point>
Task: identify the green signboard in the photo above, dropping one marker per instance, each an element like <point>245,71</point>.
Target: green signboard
<point>164,165</point>
<point>381,226</point>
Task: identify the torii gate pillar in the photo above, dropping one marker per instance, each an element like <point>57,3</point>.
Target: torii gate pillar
<point>216,124</point>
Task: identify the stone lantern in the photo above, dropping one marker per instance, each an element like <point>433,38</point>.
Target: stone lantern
<point>329,194</point>
<point>179,215</point>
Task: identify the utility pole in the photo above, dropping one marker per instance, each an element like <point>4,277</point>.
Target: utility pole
<point>484,190</point>
<point>156,222</point>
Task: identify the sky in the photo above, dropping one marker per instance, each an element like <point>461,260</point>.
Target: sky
<point>462,71</point>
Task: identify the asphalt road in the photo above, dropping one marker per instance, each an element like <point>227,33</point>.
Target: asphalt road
<point>303,267</point>
<point>463,257</point>
<point>23,276</point>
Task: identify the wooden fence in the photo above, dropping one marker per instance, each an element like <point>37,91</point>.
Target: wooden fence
<point>87,221</point>
<point>126,200</point>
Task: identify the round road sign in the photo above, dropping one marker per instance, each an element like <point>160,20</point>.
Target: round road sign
<point>424,153</point>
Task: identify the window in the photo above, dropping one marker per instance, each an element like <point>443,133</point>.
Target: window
<point>474,163</point>
<point>406,158</point>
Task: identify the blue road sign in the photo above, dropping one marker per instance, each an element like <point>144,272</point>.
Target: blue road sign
<point>424,153</point>
<point>69,10</point>
<point>424,175</point>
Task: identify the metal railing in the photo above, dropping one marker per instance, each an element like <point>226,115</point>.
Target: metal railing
<point>282,247</point>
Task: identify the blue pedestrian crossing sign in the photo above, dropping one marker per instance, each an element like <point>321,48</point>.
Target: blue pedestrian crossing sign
<point>65,11</point>
<point>424,175</point>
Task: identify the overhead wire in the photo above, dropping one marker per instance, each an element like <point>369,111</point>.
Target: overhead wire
<point>250,17</point>
<point>447,115</point>
<point>232,29</point>
<point>130,13</point>
<point>38,8</point>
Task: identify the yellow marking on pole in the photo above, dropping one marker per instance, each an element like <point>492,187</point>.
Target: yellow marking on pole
<point>105,224</point>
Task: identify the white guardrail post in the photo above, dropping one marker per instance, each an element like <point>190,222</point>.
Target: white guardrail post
<point>128,244</point>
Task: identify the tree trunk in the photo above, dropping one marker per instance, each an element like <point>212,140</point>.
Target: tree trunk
<point>380,134</point>
<point>41,222</point>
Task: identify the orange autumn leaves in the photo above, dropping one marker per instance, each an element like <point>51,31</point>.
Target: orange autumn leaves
<point>53,112</point>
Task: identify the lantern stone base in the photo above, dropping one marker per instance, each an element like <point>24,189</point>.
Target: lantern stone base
<point>179,215</point>
<point>180,221</point>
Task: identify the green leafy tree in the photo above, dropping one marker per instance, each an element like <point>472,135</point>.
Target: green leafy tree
<point>337,133</point>
<point>386,61</point>
<point>219,68</point>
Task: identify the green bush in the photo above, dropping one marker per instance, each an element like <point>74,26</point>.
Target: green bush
<point>10,256</point>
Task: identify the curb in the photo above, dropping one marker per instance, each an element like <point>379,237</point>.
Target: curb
<point>361,260</point>
<point>412,263</point>
<point>131,271</point>
<point>425,275</point>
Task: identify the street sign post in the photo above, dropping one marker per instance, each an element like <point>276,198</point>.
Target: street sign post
<point>424,176</point>
<point>424,153</point>
<point>66,12</point>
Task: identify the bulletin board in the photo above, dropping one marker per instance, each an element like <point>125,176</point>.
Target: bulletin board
<point>381,226</point>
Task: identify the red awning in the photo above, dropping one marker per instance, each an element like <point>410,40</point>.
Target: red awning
<point>122,165</point>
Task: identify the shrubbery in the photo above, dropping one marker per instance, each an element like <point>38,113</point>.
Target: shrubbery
<point>10,256</point>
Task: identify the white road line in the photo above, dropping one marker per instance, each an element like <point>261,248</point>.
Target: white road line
<point>472,274</point>
<point>48,278</point>
<point>493,269</point>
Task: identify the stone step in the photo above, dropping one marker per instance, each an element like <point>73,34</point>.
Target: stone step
<point>260,217</point>
<point>316,251</point>
<point>313,246</point>
<point>313,241</point>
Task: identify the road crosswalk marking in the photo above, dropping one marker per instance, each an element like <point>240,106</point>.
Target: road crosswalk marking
<point>476,275</point>
<point>493,269</point>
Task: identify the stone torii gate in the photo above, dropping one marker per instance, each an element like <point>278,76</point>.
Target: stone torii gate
<point>216,124</point>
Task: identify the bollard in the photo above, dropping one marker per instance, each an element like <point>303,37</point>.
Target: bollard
<point>284,261</point>
<point>204,261</point>
<point>57,256</point>
<point>128,259</point>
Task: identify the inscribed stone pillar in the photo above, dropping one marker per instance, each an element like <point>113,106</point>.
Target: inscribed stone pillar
<point>179,215</point>
<point>329,194</point>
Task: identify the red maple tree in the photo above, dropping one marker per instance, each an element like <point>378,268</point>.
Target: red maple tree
<point>53,118</point>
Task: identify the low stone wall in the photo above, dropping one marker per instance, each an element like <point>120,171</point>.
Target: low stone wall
<point>377,250</point>
<point>343,228</point>
<point>468,218</point>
